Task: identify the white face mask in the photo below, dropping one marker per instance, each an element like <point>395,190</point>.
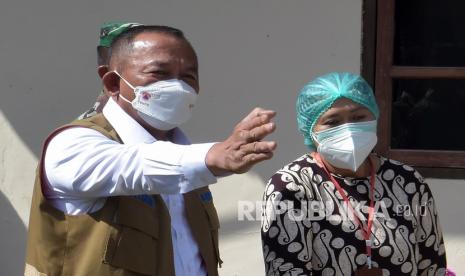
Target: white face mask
<point>348,145</point>
<point>163,104</point>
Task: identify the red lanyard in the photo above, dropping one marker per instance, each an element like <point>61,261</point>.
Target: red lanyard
<point>367,232</point>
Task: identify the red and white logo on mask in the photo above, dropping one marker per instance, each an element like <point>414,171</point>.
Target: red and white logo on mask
<point>146,96</point>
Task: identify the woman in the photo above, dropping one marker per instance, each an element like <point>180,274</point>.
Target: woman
<point>391,225</point>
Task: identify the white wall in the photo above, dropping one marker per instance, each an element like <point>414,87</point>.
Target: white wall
<point>251,53</point>
<point>449,195</point>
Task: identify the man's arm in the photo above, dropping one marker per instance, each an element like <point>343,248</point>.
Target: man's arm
<point>83,163</point>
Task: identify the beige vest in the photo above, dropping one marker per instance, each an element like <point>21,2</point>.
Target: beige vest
<point>130,235</point>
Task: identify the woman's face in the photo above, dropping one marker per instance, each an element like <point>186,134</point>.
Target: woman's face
<point>343,111</point>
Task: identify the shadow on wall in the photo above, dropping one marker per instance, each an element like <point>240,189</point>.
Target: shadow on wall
<point>12,239</point>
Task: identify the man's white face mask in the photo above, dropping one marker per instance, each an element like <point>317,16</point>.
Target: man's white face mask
<point>348,145</point>
<point>163,104</point>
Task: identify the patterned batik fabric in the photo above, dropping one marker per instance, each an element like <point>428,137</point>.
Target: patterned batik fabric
<point>306,230</point>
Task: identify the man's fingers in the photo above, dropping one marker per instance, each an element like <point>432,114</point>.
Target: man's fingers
<point>257,133</point>
<point>261,132</point>
<point>254,113</point>
<point>257,112</point>
<point>255,158</point>
<point>261,118</point>
<point>259,147</point>
<point>244,148</point>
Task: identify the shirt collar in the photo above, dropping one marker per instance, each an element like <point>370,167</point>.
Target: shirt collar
<point>130,131</point>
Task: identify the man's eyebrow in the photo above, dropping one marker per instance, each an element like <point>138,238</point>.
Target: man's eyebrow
<point>158,63</point>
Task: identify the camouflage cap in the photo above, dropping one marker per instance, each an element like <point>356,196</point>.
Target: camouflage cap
<point>110,30</point>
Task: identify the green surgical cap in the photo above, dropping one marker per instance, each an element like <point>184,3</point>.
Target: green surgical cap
<point>318,96</point>
<point>110,30</point>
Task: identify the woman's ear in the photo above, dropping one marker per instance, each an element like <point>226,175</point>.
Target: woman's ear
<point>111,82</point>
<point>102,70</point>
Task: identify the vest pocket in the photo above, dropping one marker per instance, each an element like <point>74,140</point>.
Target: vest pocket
<point>132,242</point>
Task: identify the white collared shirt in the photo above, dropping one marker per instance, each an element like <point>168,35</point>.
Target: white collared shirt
<point>83,167</point>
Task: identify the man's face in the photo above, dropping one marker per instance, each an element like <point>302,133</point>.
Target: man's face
<point>155,57</point>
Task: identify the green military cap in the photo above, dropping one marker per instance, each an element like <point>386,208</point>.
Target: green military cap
<point>110,30</point>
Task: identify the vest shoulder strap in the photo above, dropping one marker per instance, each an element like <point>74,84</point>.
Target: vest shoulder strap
<point>98,123</point>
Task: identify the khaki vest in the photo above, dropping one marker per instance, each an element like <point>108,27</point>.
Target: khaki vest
<point>130,235</point>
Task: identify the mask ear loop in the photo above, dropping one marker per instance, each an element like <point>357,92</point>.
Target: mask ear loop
<point>130,85</point>
<point>312,134</point>
<point>119,75</point>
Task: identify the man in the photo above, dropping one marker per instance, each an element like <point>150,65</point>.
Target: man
<point>108,32</point>
<point>124,192</point>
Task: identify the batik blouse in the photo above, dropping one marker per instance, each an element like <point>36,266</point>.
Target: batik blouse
<point>307,229</point>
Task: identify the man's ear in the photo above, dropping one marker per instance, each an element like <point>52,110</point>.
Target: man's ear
<point>110,81</point>
<point>102,70</point>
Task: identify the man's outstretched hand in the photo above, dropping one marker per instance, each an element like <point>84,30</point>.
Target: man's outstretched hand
<point>244,148</point>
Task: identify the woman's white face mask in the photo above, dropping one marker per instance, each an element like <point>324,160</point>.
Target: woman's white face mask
<point>348,145</point>
<point>163,104</point>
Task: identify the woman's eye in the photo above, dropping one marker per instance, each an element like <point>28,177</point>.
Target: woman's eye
<point>331,122</point>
